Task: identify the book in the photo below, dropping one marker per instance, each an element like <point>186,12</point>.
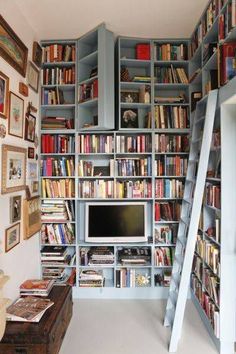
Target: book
<point>227,51</point>
<point>37,287</point>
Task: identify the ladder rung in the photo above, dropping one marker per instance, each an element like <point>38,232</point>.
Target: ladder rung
<point>173,297</point>
<point>185,220</point>
<point>188,200</point>
<point>182,241</point>
<point>191,180</point>
<point>196,140</point>
<point>193,160</point>
<point>199,120</point>
<point>176,279</point>
<point>179,258</point>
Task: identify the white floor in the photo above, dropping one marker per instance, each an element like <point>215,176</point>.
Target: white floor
<point>130,327</point>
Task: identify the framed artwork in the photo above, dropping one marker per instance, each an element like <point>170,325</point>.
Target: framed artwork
<point>130,96</point>
<point>37,54</point>
<point>30,153</point>
<point>32,216</point>
<point>30,123</point>
<point>129,118</point>
<point>15,208</point>
<point>33,76</point>
<point>4,95</point>
<point>35,187</point>
<point>12,237</point>
<point>32,170</point>
<point>12,49</point>
<point>13,168</point>
<point>16,114</point>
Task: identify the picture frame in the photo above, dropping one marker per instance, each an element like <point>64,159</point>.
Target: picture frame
<point>30,124</point>
<point>4,95</point>
<point>15,208</point>
<point>130,96</point>
<point>33,76</point>
<point>16,115</point>
<point>35,186</point>
<point>12,49</point>
<point>37,54</point>
<point>32,170</point>
<point>12,237</point>
<point>129,118</point>
<point>31,153</point>
<point>32,217</point>
<point>13,168</point>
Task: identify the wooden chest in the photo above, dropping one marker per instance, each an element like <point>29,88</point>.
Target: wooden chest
<point>46,336</point>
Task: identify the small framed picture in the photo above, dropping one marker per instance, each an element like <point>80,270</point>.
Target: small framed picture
<point>30,153</point>
<point>16,115</point>
<point>12,237</point>
<point>35,186</point>
<point>129,118</point>
<point>32,170</point>
<point>4,95</point>
<point>30,124</point>
<point>15,208</point>
<point>32,216</point>
<point>33,76</point>
<point>37,54</point>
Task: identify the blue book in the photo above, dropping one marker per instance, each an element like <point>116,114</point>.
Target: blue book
<point>61,231</point>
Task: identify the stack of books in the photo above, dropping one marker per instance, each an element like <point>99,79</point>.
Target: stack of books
<point>134,256</point>
<point>57,210</point>
<point>36,287</point>
<point>60,275</point>
<point>57,255</point>
<point>57,123</point>
<point>91,278</point>
<point>100,255</point>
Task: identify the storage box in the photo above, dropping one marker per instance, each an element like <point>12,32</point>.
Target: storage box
<point>143,51</point>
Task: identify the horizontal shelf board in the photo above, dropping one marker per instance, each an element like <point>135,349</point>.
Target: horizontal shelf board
<point>133,177</point>
<point>134,266</point>
<point>133,154</point>
<point>57,177</point>
<point>135,105</point>
<point>159,244</point>
<point>61,86</point>
<point>212,62</point>
<point>171,153</point>
<point>58,131</point>
<point>89,266</point>
<point>213,179</point>
<point>54,265</point>
<point>178,177</point>
<point>58,154</point>
<point>95,177</point>
<point>135,63</point>
<point>132,84</point>
<point>90,59</point>
<point>59,63</point>
<point>58,244</point>
<point>129,244</point>
<point>47,198</point>
<point>212,208</point>
<point>58,222</point>
<point>211,239</point>
<point>58,106</point>
<point>173,130</point>
<point>96,154</point>
<point>172,104</point>
<point>171,86</point>
<point>112,199</point>
<point>88,81</point>
<point>163,267</point>
<point>169,198</point>
<point>231,36</point>
<point>166,222</point>
<point>89,103</point>
<point>173,62</point>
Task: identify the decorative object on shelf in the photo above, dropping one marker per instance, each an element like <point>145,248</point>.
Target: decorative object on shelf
<point>27,193</point>
<point>12,237</point>
<point>23,89</point>
<point>33,76</point>
<point>129,96</point>
<point>16,114</point>
<point>3,131</point>
<point>37,54</point>
<point>32,217</point>
<point>12,49</point>
<point>4,95</point>
<point>35,186</point>
<point>30,123</point>
<point>32,170</point>
<point>94,72</point>
<point>124,74</point>
<point>13,168</point>
<point>142,280</point>
<point>129,118</point>
<point>30,153</point>
<point>15,208</point>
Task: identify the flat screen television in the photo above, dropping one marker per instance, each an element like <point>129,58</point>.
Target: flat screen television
<point>116,222</point>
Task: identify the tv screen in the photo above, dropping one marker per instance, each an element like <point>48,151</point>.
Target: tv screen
<point>116,222</point>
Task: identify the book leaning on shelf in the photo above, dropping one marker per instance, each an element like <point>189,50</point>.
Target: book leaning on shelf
<point>164,256</point>
<point>57,123</point>
<point>167,235</point>
<point>57,234</point>
<point>95,143</point>
<point>171,117</point>
<point>168,211</point>
<point>171,143</point>
<point>57,210</point>
<point>58,53</point>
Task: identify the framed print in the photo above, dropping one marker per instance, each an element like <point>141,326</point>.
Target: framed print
<point>30,153</point>
<point>32,216</point>
<point>12,49</point>
<point>15,208</point>
<point>33,76</point>
<point>13,168</point>
<point>35,187</point>
<point>4,95</point>
<point>12,237</point>
<point>37,54</point>
<point>30,123</point>
<point>16,114</point>
<point>32,170</point>
<point>129,118</point>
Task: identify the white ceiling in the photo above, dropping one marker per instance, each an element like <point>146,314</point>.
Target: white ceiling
<point>141,18</point>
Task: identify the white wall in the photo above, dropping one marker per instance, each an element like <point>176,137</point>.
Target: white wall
<point>21,262</point>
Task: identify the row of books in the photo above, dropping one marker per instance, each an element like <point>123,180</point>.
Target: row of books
<point>210,253</point>
<point>171,166</point>
<point>169,51</point>
<point>61,276</point>
<point>163,278</point>
<point>95,143</point>
<point>57,255</point>
<point>227,20</point>
<point>53,97</point>
<point>212,195</point>
<point>212,285</point>
<point>167,211</point>
<point>128,278</point>
<point>213,232</point>
<point>133,143</point>
<point>88,91</point>
<point>171,143</point>
<point>134,256</point>
<point>90,278</point>
<point>164,256</point>
<point>198,267</point>
<point>57,144</point>
<point>209,17</point>
<point>63,188</point>
<point>58,53</point>
<point>170,75</point>
<point>133,167</point>
<point>57,167</point>
<point>96,189</point>
<point>60,234</point>
<point>57,210</point>
<point>167,117</point>
<point>102,255</point>
<point>89,169</point>
<point>167,234</point>
<point>133,189</point>
<point>57,123</point>
<point>58,76</point>
<point>169,188</point>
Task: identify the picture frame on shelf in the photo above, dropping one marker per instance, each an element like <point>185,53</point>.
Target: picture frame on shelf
<point>30,124</point>
<point>37,54</point>
<point>129,96</point>
<point>32,217</point>
<point>12,49</point>
<point>4,95</point>
<point>129,118</point>
<point>32,170</point>
<point>15,208</point>
<point>12,237</point>
<point>33,76</point>
<point>35,186</point>
<point>16,115</point>
<point>13,168</point>
<point>31,153</point>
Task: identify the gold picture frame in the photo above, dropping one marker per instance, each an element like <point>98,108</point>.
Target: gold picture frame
<point>12,237</point>
<point>13,168</point>
<point>4,95</point>
<point>32,216</point>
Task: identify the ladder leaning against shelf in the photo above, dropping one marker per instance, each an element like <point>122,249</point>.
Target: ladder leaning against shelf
<point>190,214</point>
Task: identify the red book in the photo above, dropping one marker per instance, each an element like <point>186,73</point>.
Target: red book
<point>43,144</point>
<point>49,166</point>
<point>227,50</point>
<point>157,212</point>
<point>221,27</point>
<point>95,88</point>
<point>51,143</point>
<point>143,51</point>
<point>47,141</point>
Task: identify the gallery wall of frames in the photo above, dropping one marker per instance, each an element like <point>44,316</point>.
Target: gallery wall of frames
<point>19,110</point>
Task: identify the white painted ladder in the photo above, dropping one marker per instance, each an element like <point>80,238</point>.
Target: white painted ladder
<point>190,215</point>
